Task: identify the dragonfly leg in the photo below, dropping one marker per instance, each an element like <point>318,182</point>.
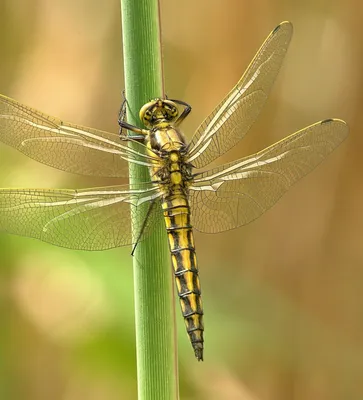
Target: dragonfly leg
<point>151,206</point>
<point>139,133</point>
<point>185,113</point>
<point>123,107</point>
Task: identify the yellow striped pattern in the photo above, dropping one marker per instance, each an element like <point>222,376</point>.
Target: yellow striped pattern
<point>181,241</point>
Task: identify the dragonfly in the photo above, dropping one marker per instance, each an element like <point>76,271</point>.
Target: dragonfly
<point>181,187</point>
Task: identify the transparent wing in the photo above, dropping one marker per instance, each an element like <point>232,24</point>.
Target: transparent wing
<point>88,219</point>
<point>233,117</point>
<point>65,146</point>
<point>237,193</point>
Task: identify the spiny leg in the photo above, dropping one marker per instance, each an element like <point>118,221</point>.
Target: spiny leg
<point>122,112</point>
<point>139,133</point>
<point>151,207</point>
<point>185,113</point>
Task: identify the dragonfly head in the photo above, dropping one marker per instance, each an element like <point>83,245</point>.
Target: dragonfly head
<point>157,111</point>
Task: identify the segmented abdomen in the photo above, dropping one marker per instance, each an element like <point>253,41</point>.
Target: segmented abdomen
<point>181,241</point>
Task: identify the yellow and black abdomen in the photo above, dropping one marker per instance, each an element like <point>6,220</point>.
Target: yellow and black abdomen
<point>172,175</point>
<point>181,241</point>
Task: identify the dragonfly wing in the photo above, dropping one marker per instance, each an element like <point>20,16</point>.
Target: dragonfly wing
<point>87,219</point>
<point>66,146</point>
<point>237,193</point>
<point>233,117</point>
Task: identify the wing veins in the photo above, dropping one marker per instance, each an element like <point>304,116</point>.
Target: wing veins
<point>248,97</point>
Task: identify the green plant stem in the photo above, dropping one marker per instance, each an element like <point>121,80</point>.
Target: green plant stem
<point>154,300</point>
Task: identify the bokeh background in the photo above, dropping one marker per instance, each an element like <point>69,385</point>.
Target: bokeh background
<point>283,296</point>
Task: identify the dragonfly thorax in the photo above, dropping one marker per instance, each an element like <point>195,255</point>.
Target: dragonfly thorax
<point>164,140</point>
<point>172,171</point>
<point>158,112</point>
<point>170,165</point>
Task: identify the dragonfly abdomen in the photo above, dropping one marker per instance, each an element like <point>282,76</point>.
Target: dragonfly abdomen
<point>184,261</point>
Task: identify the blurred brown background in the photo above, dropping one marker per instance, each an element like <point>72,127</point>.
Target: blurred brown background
<point>283,296</point>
